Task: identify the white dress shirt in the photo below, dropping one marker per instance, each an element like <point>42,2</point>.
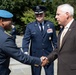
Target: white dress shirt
<point>65,31</point>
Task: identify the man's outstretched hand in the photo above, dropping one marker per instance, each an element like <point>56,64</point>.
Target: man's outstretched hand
<point>44,60</point>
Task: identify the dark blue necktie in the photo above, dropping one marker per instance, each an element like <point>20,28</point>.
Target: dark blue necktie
<point>41,27</point>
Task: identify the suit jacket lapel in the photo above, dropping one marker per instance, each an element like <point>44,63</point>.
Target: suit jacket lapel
<point>67,34</point>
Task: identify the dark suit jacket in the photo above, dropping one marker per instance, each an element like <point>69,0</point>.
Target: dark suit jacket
<point>41,45</point>
<point>67,53</point>
<point>9,49</point>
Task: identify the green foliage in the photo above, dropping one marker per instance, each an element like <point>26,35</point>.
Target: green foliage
<point>28,16</point>
<point>23,13</point>
<point>20,29</point>
<point>51,17</point>
<point>55,3</point>
<point>7,4</point>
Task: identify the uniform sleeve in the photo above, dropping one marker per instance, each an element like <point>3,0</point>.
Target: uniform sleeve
<point>11,50</point>
<point>26,39</point>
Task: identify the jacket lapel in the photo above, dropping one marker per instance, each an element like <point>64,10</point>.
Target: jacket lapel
<point>37,28</point>
<point>45,28</point>
<point>67,34</point>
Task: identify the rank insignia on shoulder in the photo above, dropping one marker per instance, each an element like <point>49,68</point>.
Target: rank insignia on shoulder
<point>7,33</point>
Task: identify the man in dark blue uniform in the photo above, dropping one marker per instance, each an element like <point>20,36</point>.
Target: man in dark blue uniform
<point>8,47</point>
<point>43,39</point>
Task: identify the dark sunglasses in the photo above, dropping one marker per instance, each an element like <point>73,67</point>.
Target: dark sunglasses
<point>39,14</point>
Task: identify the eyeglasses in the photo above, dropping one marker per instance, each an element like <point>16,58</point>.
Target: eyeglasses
<point>41,14</point>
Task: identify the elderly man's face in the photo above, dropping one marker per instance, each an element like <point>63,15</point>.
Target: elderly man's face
<point>61,17</point>
<point>40,17</point>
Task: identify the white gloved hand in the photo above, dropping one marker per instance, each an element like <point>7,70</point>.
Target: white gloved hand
<point>26,53</point>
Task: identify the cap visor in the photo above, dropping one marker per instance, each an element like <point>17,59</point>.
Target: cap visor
<point>39,12</point>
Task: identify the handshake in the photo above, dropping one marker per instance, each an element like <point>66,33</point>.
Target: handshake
<point>44,61</point>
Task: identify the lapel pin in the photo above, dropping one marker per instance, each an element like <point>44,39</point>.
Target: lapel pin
<point>69,29</point>
<point>48,25</point>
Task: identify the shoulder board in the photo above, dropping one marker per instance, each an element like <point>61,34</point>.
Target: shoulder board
<point>7,33</point>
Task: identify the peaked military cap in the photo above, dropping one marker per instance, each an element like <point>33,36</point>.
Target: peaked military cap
<point>39,9</point>
<point>5,14</point>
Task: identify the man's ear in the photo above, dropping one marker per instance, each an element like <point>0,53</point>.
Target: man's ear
<point>0,21</point>
<point>67,15</point>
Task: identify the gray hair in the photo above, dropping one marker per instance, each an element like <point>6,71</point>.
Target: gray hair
<point>67,8</point>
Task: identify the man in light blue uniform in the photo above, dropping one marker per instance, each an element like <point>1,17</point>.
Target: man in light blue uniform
<point>8,48</point>
<point>43,39</point>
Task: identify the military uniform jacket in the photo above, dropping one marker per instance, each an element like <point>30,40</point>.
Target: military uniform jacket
<point>13,32</point>
<point>67,53</point>
<point>40,45</point>
<point>9,49</point>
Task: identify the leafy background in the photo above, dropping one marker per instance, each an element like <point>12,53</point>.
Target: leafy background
<point>23,14</point>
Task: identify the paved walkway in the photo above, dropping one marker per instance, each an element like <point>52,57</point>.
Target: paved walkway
<point>18,68</point>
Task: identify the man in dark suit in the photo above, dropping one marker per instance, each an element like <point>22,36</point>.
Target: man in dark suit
<point>43,39</point>
<point>8,48</point>
<point>66,50</point>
